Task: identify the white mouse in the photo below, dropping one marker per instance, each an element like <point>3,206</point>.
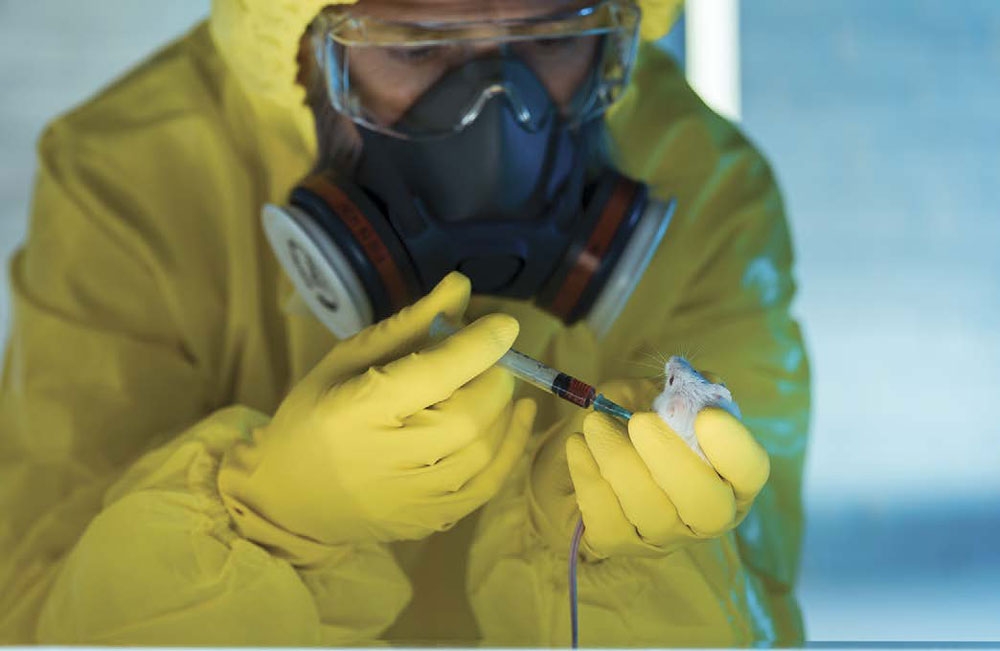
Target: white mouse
<point>685,393</point>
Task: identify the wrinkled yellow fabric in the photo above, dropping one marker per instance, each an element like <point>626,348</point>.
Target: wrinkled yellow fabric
<point>151,332</point>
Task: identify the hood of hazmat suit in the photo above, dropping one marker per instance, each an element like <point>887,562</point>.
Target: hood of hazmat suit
<point>152,328</point>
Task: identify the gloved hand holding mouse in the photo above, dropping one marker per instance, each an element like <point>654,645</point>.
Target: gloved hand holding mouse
<point>641,488</point>
<point>382,441</point>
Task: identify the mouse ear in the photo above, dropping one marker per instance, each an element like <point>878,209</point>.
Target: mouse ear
<point>719,393</point>
<point>713,378</point>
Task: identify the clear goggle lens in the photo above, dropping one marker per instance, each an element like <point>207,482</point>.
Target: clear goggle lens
<point>376,69</point>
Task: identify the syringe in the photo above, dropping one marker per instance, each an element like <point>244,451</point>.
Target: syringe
<point>546,378</point>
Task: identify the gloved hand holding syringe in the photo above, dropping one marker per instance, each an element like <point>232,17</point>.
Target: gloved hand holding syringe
<point>544,377</point>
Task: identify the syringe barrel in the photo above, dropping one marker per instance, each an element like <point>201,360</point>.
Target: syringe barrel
<point>531,370</point>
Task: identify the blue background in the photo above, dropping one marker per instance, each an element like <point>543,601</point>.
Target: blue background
<point>882,120</point>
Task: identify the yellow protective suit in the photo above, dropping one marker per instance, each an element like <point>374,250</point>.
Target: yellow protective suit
<point>153,328</point>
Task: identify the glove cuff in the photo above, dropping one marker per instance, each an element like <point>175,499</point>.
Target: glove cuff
<point>280,543</point>
<point>235,483</point>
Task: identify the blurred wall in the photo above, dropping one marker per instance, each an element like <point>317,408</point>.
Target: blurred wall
<point>881,121</point>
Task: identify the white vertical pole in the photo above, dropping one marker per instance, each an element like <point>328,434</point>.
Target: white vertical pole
<point>712,35</point>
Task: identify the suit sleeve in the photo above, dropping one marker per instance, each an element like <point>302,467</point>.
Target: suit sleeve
<point>112,530</point>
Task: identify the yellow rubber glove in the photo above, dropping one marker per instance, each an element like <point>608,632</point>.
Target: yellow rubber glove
<point>359,452</point>
<point>642,491</point>
<point>552,500</point>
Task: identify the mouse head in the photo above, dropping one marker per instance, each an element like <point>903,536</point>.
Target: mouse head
<point>682,379</point>
<point>679,373</point>
<point>687,391</point>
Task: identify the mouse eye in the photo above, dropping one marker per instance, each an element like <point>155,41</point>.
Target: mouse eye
<point>670,382</point>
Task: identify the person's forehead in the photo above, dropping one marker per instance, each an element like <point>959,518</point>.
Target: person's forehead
<point>420,10</point>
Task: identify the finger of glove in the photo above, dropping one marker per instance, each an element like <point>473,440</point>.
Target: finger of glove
<point>459,437</point>
<point>451,473</point>
<point>550,494</point>
<point>736,455</point>
<point>453,424</point>
<point>704,501</point>
<point>399,334</point>
<point>486,484</point>
<point>549,472</point>
<point>643,502</point>
<point>426,378</point>
<point>608,531</point>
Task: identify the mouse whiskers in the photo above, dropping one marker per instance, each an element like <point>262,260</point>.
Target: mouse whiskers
<point>653,360</point>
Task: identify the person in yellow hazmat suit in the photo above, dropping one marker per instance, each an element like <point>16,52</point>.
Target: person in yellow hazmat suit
<point>222,419</point>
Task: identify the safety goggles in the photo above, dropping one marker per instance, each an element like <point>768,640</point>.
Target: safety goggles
<point>376,68</point>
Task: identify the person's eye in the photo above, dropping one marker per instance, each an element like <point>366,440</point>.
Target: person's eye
<point>415,54</point>
<point>555,45</point>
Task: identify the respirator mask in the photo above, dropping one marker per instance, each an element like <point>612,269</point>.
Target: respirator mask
<point>482,151</point>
